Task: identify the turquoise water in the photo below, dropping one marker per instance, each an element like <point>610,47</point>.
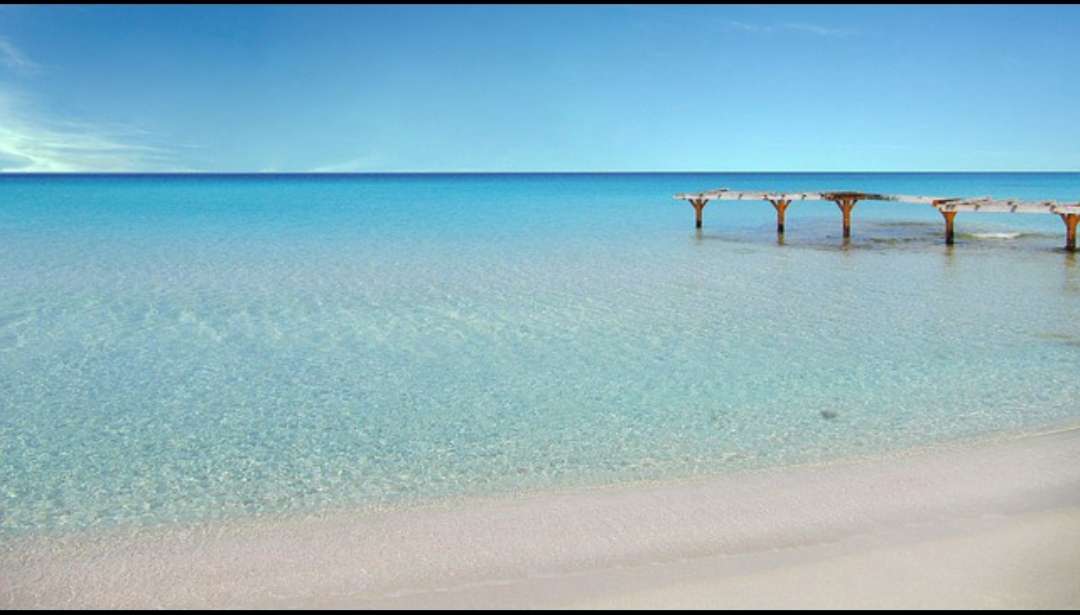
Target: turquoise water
<point>189,348</point>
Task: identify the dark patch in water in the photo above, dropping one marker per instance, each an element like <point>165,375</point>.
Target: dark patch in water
<point>906,224</point>
<point>829,414</point>
<point>895,240</point>
<point>1053,335</point>
<point>1072,341</point>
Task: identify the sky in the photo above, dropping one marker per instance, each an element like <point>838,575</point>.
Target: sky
<point>539,88</point>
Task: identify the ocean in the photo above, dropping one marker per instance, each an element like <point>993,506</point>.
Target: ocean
<point>185,348</point>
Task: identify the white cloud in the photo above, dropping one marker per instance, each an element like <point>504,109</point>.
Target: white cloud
<point>814,29</point>
<point>12,57</point>
<point>30,143</point>
<point>356,165</point>
<point>788,27</point>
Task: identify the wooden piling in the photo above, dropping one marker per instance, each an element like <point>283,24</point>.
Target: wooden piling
<point>1070,221</point>
<point>846,204</point>
<point>781,206</point>
<point>949,217</point>
<point>699,205</point>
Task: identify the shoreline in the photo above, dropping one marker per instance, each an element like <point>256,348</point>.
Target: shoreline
<point>646,544</point>
<point>470,500</point>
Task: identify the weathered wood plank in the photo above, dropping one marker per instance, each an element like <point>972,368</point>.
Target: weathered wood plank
<point>1000,206</point>
<point>1066,208</point>
<point>735,195</point>
<point>975,204</point>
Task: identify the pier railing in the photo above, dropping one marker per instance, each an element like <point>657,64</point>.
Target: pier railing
<point>949,207</point>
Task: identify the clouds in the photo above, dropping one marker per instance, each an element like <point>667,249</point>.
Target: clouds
<point>356,165</point>
<point>13,58</point>
<point>807,28</point>
<point>32,143</point>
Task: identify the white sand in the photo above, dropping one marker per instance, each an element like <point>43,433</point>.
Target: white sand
<point>986,525</point>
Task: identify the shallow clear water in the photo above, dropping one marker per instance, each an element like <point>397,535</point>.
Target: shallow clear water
<point>184,348</point>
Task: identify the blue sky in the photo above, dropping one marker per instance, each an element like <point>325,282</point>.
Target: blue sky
<point>539,88</point>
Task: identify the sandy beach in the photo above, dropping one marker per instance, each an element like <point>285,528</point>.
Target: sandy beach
<point>990,524</point>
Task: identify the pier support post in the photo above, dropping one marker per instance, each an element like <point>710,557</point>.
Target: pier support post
<point>1070,221</point>
<point>949,217</point>
<point>846,204</point>
<point>781,206</point>
<point>699,205</point>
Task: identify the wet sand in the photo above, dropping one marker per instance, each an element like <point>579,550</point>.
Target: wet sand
<point>990,524</point>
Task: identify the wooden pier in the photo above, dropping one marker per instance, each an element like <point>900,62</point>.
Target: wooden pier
<point>846,200</point>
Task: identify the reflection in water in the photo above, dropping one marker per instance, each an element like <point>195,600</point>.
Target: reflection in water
<point>950,254</point>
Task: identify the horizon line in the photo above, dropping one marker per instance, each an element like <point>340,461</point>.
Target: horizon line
<point>346,173</point>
